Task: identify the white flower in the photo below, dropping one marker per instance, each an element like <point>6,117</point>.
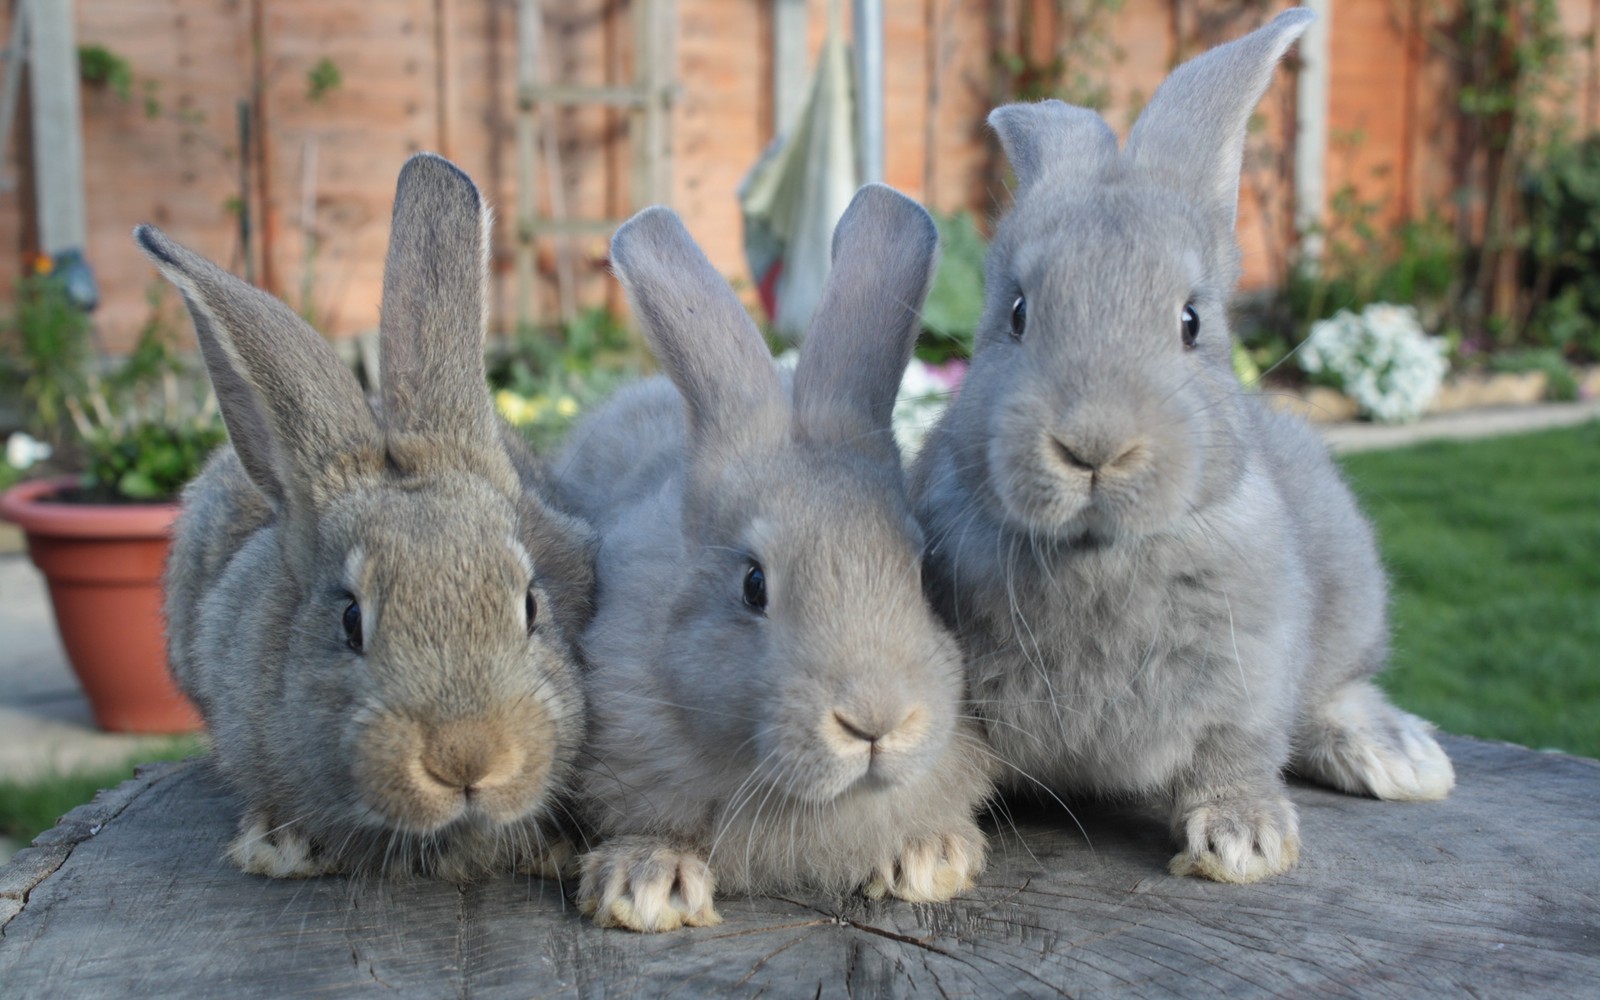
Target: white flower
<point>1381,359</point>
<point>922,399</point>
<point>22,451</point>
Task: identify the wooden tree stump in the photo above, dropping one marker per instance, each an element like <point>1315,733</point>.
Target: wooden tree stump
<point>1493,892</point>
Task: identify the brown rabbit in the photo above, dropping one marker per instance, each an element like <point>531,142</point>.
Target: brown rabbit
<point>373,614</point>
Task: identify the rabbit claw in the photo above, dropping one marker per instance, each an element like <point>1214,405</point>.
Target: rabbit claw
<point>1359,743</point>
<point>642,884</point>
<point>929,869</point>
<point>259,848</point>
<point>1239,839</point>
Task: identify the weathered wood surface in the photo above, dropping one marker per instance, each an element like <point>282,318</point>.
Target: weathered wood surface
<point>1493,892</point>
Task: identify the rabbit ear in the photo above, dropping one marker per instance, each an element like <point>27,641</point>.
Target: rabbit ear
<point>435,299</point>
<point>1193,130</point>
<point>697,328</point>
<point>855,353</point>
<point>1053,138</point>
<point>295,413</point>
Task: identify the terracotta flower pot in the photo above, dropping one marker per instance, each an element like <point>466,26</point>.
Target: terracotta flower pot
<point>103,563</point>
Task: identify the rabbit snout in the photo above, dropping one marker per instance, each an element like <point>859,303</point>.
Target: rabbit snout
<point>422,775</point>
<point>853,732</point>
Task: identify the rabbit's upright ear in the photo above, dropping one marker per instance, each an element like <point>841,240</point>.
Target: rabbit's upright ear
<point>1192,133</point>
<point>697,328</point>
<point>1053,139</point>
<point>435,308</point>
<point>295,413</point>
<point>854,356</point>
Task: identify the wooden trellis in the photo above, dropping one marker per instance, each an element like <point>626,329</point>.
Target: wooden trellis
<point>648,99</point>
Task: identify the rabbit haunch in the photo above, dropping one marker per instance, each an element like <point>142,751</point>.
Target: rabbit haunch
<point>772,702</point>
<point>1162,587</point>
<point>350,588</point>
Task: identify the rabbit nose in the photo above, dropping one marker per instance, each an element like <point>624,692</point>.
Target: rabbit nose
<point>864,731</point>
<point>880,732</point>
<point>1071,458</point>
<point>469,755</point>
<point>1093,457</point>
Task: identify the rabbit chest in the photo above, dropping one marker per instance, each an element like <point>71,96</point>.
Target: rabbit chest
<point>1102,667</point>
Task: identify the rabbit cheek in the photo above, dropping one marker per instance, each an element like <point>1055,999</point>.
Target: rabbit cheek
<point>1037,490</point>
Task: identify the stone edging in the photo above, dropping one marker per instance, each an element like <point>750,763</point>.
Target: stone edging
<point>1464,391</point>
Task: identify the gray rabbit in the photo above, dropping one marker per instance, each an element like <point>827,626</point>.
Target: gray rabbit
<point>1163,588</point>
<point>772,702</point>
<point>374,611</point>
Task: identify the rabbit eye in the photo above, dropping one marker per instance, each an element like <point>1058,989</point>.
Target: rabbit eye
<point>1191,325</point>
<point>531,606</point>
<point>352,627</point>
<point>755,588</point>
<point>1019,317</point>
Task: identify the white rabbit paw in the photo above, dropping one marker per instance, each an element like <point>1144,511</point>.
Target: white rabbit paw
<point>929,869</point>
<point>643,884</point>
<point>281,852</point>
<point>1238,839</point>
<point>1359,743</point>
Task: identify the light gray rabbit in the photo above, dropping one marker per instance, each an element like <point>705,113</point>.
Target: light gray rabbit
<point>374,615</point>
<point>772,702</point>
<point>1163,588</point>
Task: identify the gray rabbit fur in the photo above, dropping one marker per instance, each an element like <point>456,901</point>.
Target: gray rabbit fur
<point>1163,588</point>
<point>350,583</point>
<point>773,703</point>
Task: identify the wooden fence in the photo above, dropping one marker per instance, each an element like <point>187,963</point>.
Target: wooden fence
<point>318,173</point>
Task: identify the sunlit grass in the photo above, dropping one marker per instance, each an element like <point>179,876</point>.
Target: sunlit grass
<point>1494,551</point>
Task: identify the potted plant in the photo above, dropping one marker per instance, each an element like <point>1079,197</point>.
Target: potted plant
<point>139,431</point>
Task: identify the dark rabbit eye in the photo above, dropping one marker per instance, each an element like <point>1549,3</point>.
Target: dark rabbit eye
<point>352,627</point>
<point>1191,325</point>
<point>531,606</point>
<point>755,588</point>
<point>1019,317</point>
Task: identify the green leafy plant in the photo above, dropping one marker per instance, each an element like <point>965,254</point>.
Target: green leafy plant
<point>1362,263</point>
<point>1561,199</point>
<point>138,428</point>
<point>955,303</point>
<point>45,351</point>
<point>100,67</point>
<point>322,79</point>
<point>1561,382</point>
<point>542,383</point>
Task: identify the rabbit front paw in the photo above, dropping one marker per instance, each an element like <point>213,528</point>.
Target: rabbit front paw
<point>1240,839</point>
<point>260,848</point>
<point>643,884</point>
<point>929,869</point>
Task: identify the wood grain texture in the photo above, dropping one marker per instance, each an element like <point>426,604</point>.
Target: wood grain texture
<point>1493,892</point>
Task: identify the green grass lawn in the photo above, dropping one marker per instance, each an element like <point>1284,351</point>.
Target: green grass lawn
<point>1494,552</point>
<point>28,808</point>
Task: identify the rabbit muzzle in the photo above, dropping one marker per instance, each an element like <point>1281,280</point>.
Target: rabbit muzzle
<point>421,775</point>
